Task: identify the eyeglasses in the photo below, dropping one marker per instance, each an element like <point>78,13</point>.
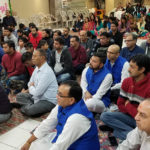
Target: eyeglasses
<point>111,52</point>
<point>129,40</point>
<point>61,96</point>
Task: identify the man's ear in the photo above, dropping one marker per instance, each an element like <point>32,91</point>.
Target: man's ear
<point>142,69</point>
<point>72,100</point>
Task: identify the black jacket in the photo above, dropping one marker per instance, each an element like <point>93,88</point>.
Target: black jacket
<point>65,60</point>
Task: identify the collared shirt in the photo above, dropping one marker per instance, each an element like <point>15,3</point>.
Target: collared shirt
<point>136,140</point>
<point>45,84</point>
<point>126,53</point>
<point>76,126</point>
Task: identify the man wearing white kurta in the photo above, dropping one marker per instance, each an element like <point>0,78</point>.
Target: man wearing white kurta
<point>76,127</point>
<point>96,82</point>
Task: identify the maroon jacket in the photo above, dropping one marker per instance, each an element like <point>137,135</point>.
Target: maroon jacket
<point>78,56</point>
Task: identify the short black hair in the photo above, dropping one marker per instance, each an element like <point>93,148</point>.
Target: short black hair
<point>42,43</point>
<point>76,38</point>
<point>31,24</point>
<point>19,30</point>
<point>115,23</point>
<point>28,45</point>
<point>58,32</point>
<point>60,40</point>
<point>10,44</point>
<point>75,89</point>
<point>21,26</point>
<point>23,39</point>
<point>102,56</point>
<point>9,29</point>
<point>26,56</point>
<point>34,27</point>
<point>42,52</point>
<point>142,60</point>
<point>48,31</point>
<point>106,34</point>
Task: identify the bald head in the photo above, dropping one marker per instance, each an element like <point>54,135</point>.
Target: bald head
<point>113,53</point>
<point>83,36</point>
<point>143,116</point>
<point>115,48</point>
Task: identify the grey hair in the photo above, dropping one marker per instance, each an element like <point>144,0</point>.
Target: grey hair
<point>134,36</point>
<point>42,52</point>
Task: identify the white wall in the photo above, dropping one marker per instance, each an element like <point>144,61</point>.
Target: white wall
<point>27,8</point>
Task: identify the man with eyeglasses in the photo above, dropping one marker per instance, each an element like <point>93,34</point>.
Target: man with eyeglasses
<point>134,90</point>
<point>75,125</point>
<point>118,67</point>
<point>146,45</point>
<point>131,49</point>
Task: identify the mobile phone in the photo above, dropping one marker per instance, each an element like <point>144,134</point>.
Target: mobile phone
<point>113,141</point>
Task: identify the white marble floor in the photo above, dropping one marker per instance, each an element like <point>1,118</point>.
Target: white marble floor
<point>15,138</point>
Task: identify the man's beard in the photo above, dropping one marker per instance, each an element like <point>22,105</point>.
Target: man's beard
<point>94,69</point>
<point>34,35</point>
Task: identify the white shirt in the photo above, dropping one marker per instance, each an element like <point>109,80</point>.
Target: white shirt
<point>124,74</point>
<point>76,126</point>
<point>45,84</point>
<point>21,50</point>
<point>58,67</point>
<point>102,90</point>
<point>136,139</point>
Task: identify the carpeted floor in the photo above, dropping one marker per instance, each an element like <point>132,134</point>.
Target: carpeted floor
<point>17,118</point>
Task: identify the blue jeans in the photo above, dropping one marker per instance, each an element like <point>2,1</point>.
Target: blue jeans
<point>63,77</point>
<point>120,122</point>
<point>19,77</point>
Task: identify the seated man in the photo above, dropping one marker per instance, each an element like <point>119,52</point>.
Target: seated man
<point>86,42</point>
<point>47,36</point>
<point>61,61</point>
<point>5,106</point>
<point>10,36</point>
<point>42,88</point>
<point>76,127</point>
<point>138,139</point>
<point>66,36</point>
<point>102,44</point>
<point>145,45</point>
<point>118,67</point>
<point>12,63</point>
<point>78,54</point>
<point>27,61</point>
<point>29,47</point>
<point>96,81</point>
<point>115,34</point>
<point>44,45</point>
<point>133,90</point>
<point>35,36</point>
<point>132,49</point>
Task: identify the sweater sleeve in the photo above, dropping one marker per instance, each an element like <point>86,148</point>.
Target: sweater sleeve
<point>83,57</point>
<point>19,68</point>
<point>131,109</point>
